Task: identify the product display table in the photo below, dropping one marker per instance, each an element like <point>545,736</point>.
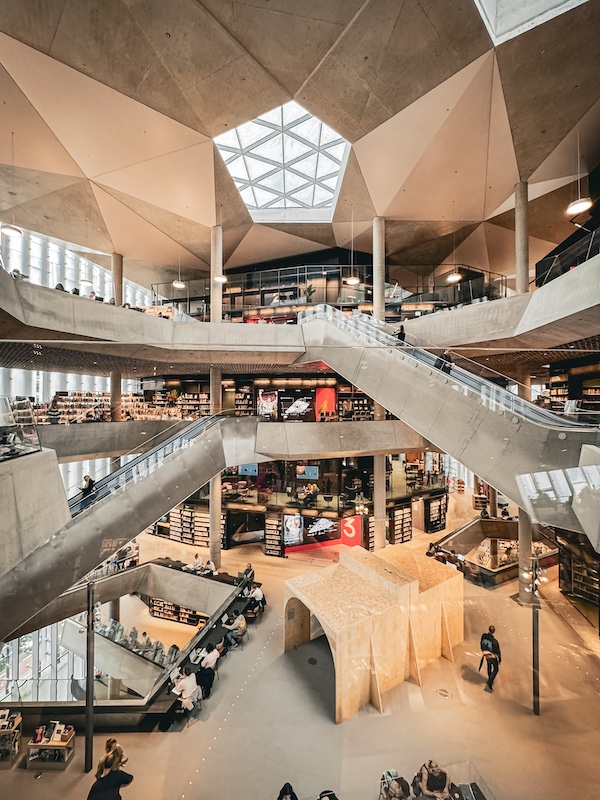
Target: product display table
<point>50,755</point>
<point>10,739</point>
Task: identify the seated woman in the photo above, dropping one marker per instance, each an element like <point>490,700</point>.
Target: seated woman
<point>434,781</point>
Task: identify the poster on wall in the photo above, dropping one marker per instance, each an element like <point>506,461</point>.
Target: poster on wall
<point>351,530</point>
<point>293,530</point>
<point>326,403</point>
<point>297,404</point>
<point>266,403</point>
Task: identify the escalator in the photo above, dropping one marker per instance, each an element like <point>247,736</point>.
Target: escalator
<point>124,504</point>
<point>529,454</point>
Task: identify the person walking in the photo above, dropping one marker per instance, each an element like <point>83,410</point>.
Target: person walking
<point>490,653</point>
<point>400,334</point>
<point>110,777</point>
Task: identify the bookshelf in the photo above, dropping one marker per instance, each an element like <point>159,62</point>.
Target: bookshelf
<point>401,524</point>
<point>371,535</point>
<point>244,400</point>
<point>586,581</point>
<point>165,609</point>
<point>10,736</point>
<point>274,537</point>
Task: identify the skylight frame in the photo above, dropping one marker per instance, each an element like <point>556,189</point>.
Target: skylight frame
<point>268,202</point>
<point>501,29</point>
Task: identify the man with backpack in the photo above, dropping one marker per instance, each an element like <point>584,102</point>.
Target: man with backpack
<point>490,653</point>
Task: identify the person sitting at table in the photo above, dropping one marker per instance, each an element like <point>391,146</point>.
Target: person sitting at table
<point>197,562</point>
<point>209,567</point>
<point>256,598</point>
<point>187,689</point>
<point>249,572</point>
<point>235,630</point>
<point>434,781</point>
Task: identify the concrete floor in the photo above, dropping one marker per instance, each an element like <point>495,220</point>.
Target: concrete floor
<point>270,717</point>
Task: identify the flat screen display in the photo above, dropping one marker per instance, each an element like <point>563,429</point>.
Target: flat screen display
<point>266,403</point>
<point>293,530</point>
<point>297,404</point>
<point>248,469</point>
<point>306,472</point>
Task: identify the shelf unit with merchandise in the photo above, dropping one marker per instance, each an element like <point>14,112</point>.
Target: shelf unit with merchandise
<point>274,537</point>
<point>586,581</point>
<point>10,736</point>
<point>400,520</point>
<point>51,753</point>
<point>244,400</point>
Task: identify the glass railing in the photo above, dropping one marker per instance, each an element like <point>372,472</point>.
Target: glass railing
<point>42,690</point>
<point>138,643</point>
<point>553,266</point>
<point>18,434</point>
<point>143,465</point>
<point>372,332</point>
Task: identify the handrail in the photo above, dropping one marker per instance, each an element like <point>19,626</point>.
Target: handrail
<point>144,463</point>
<point>491,395</point>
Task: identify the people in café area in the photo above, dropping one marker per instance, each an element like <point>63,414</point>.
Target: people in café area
<point>236,629</point>
<point>249,572</point>
<point>256,599</point>
<point>60,288</point>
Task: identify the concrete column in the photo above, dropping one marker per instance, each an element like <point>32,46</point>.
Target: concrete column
<point>379,268</point>
<point>521,238</point>
<point>493,502</point>
<point>115,397</point>
<point>379,498</point>
<point>524,383</point>
<point>116,261</point>
<point>494,553</point>
<point>216,270</point>
<point>525,537</point>
<point>215,496</point>
<point>114,684</point>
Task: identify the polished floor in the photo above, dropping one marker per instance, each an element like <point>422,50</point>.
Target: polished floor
<point>270,717</point>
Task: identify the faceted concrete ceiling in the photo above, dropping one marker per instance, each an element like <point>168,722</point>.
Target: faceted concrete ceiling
<point>110,108</point>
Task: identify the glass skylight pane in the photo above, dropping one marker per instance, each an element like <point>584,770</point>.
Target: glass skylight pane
<point>292,111</point>
<point>309,130</point>
<point>248,197</point>
<point>251,132</point>
<point>307,166</point>
<point>237,168</point>
<point>263,197</point>
<point>273,116</point>
<point>506,19</point>
<point>257,168</point>
<point>282,155</point>
<point>292,148</point>
<point>337,150</point>
<point>273,149</point>
<point>305,195</point>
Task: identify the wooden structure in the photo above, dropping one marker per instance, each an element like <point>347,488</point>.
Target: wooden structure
<point>386,616</point>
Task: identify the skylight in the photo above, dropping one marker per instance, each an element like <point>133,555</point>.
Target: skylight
<point>506,19</point>
<point>286,164</point>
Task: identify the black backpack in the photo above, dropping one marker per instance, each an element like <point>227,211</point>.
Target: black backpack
<point>487,644</point>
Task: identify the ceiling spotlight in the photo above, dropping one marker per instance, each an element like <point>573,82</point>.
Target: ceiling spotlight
<point>454,277</point>
<point>579,206</point>
<point>220,278</point>
<point>10,230</point>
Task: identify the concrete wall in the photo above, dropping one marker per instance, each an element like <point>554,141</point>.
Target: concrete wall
<point>33,505</point>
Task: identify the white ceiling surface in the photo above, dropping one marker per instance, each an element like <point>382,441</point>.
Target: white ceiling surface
<point>83,159</point>
<point>492,248</point>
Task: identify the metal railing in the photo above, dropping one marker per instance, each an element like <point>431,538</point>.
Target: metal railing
<point>553,266</point>
<point>372,332</point>
<point>18,434</point>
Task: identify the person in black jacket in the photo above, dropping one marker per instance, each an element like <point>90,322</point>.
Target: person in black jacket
<point>490,653</point>
<point>287,793</point>
<point>109,778</point>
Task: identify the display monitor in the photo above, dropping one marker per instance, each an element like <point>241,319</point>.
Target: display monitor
<point>248,469</point>
<point>307,472</point>
<point>224,618</point>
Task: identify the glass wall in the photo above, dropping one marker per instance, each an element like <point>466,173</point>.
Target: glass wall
<point>47,262</point>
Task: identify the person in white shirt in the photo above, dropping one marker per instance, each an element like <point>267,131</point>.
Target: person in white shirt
<point>211,657</point>
<point>197,562</point>
<point>187,689</point>
<point>257,598</point>
<point>210,567</point>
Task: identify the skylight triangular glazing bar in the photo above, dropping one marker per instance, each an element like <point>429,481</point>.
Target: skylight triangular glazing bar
<point>288,155</point>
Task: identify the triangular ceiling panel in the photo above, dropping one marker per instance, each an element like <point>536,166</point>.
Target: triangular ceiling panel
<point>28,141</point>
<point>321,233</point>
<point>158,181</point>
<point>354,200</point>
<point>136,238</point>
<point>547,84</point>
<point>359,234</point>
<point>19,186</point>
<point>501,251</point>
<point>388,155</point>
<point>89,118</point>
<point>454,165</point>
<point>71,214</point>
<point>432,252</point>
<point>402,234</point>
<point>546,215</point>
<point>473,250</point>
<point>262,243</point>
<point>232,238</point>
<point>229,206</point>
<point>191,235</point>
<point>534,190</point>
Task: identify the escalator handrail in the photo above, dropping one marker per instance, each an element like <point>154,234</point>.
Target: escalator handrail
<point>367,326</point>
<point>105,485</point>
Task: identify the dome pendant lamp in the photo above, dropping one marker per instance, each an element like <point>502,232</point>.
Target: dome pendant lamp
<point>582,203</point>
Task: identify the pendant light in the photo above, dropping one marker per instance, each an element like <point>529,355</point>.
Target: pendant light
<point>179,284</point>
<point>11,230</point>
<point>352,279</point>
<point>582,203</point>
<point>220,278</point>
<point>454,276</point>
